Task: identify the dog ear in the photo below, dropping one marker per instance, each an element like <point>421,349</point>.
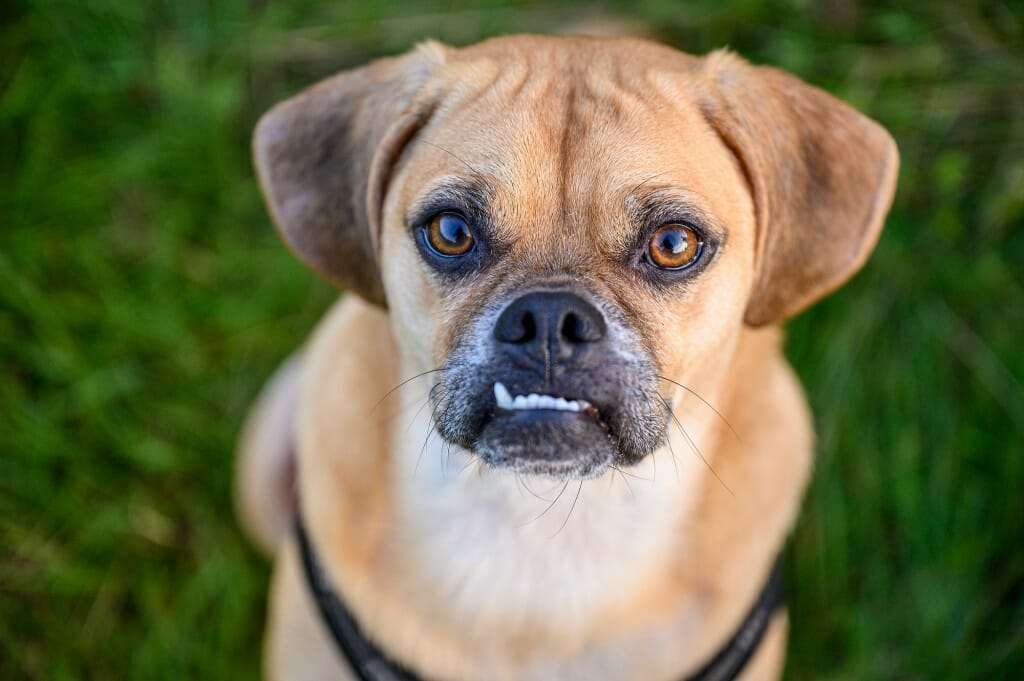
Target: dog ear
<point>324,157</point>
<point>822,177</point>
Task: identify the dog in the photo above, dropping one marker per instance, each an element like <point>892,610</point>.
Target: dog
<point>572,257</point>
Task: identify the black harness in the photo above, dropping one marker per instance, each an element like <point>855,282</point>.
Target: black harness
<point>370,664</point>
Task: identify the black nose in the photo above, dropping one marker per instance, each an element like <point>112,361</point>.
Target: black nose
<point>558,322</point>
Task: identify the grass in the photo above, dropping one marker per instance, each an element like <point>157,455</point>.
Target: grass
<point>144,298</point>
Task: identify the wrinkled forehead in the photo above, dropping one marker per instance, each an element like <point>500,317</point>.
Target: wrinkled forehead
<point>557,141</point>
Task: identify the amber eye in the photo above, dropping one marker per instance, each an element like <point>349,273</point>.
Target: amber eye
<point>674,247</point>
<point>449,235</point>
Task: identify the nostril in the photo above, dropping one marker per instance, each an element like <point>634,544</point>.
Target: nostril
<point>572,328</point>
<point>581,328</point>
<point>528,327</point>
<point>516,328</point>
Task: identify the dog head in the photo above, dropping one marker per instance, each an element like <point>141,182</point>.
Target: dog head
<point>569,228</point>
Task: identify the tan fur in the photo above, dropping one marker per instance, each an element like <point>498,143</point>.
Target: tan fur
<point>264,488</point>
<point>455,569</point>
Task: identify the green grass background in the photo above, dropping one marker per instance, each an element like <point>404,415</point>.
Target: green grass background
<point>144,298</point>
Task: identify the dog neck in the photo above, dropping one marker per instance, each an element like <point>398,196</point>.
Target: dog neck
<point>534,557</point>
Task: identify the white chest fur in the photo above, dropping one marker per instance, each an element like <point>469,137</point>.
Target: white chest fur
<point>532,557</point>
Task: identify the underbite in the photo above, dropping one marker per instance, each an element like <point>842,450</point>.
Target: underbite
<point>544,407</point>
<point>505,401</point>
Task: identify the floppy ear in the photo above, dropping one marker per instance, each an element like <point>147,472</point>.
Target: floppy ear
<point>324,157</point>
<point>822,177</point>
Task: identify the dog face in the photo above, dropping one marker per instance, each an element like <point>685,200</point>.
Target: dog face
<point>554,249</point>
<point>569,229</point>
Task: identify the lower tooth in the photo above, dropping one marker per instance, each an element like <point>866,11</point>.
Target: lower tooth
<point>535,401</point>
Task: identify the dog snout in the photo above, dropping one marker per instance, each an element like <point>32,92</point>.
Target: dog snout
<point>548,325</point>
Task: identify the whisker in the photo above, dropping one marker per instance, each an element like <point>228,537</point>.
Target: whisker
<point>668,441</point>
<point>633,475</point>
<point>408,380</point>
<point>447,459</point>
<point>672,451</point>
<point>571,508</point>
<point>417,414</point>
<point>624,479</point>
<point>696,450</point>
<point>636,189</point>
<point>529,489</point>
<point>423,449</point>
<point>386,417</point>
<point>472,460</point>
<point>457,158</point>
<point>654,462</point>
<point>430,431</point>
<point>706,403</point>
<point>553,502</point>
<point>519,486</point>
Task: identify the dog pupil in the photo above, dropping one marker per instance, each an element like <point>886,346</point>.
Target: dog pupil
<point>453,229</point>
<point>674,242</point>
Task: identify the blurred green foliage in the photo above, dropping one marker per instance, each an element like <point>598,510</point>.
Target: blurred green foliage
<point>144,297</point>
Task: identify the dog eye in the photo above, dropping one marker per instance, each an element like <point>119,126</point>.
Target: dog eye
<point>674,247</point>
<point>449,235</point>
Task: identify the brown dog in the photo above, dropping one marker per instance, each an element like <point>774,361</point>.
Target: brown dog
<point>575,247</point>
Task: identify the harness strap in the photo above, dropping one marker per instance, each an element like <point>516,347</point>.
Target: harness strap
<point>729,661</point>
<point>370,664</point>
<point>366,660</point>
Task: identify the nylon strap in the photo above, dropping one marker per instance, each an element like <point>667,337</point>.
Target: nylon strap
<point>370,664</point>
